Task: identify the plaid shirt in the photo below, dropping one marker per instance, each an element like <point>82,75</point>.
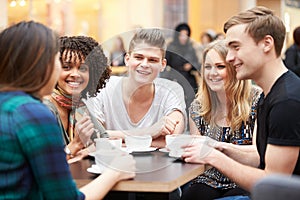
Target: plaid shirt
<point>32,160</point>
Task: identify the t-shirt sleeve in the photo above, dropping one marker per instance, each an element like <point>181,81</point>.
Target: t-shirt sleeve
<point>284,121</point>
<point>42,144</point>
<point>175,99</point>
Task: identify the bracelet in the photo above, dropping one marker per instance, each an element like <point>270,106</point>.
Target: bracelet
<point>68,152</point>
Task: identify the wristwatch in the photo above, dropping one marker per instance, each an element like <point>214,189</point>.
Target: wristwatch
<point>68,151</point>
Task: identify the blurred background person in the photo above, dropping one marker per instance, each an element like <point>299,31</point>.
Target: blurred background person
<point>220,36</point>
<point>182,62</point>
<point>292,54</point>
<point>181,54</point>
<point>206,37</point>
<point>118,52</point>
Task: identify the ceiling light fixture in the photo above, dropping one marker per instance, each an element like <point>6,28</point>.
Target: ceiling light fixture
<point>13,3</point>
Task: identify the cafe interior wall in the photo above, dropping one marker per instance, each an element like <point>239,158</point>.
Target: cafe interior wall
<point>104,20</point>
<point>291,16</point>
<point>100,19</point>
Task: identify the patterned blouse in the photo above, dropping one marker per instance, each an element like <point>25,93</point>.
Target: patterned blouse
<point>212,176</point>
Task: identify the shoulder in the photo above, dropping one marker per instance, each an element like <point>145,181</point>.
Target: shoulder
<point>195,109</point>
<point>287,87</point>
<point>285,92</point>
<point>27,110</point>
<point>112,83</point>
<point>113,80</point>
<point>16,101</point>
<point>49,104</point>
<point>167,83</point>
<point>163,85</point>
<point>255,93</point>
<point>195,105</point>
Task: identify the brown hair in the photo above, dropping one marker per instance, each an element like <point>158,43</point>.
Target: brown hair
<point>260,21</point>
<point>237,92</point>
<point>153,37</point>
<point>27,56</point>
<point>296,35</point>
<point>88,49</point>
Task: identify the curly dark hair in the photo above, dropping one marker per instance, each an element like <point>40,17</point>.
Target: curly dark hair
<point>89,50</point>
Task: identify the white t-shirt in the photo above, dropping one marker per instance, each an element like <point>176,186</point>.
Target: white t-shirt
<point>108,106</point>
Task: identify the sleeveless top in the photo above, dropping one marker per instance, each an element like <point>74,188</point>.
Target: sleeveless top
<point>212,176</point>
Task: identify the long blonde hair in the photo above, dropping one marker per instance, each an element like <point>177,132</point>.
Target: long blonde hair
<point>237,93</point>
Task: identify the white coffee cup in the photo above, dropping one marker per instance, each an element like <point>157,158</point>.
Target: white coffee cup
<point>104,157</point>
<point>117,142</point>
<point>138,142</point>
<point>170,138</point>
<point>106,150</point>
<point>108,143</point>
<point>177,143</point>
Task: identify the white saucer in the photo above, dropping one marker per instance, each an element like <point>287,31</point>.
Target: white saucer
<point>164,150</point>
<point>122,148</point>
<point>94,169</point>
<point>92,154</point>
<point>174,155</point>
<point>149,149</point>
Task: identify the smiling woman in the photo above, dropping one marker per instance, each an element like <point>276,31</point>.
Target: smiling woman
<point>84,72</point>
<point>224,110</point>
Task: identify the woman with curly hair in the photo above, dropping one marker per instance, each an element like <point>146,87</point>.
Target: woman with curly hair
<point>85,71</point>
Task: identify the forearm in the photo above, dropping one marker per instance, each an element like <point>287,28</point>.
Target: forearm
<point>159,142</point>
<point>75,147</point>
<point>123,133</point>
<point>245,176</point>
<point>245,154</point>
<point>174,123</point>
<point>180,119</point>
<point>99,187</point>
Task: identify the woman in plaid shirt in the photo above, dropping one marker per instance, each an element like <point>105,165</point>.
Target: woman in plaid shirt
<point>32,161</point>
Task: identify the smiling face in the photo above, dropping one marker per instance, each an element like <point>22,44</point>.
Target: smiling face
<point>74,76</point>
<point>215,72</point>
<point>145,62</point>
<point>244,53</point>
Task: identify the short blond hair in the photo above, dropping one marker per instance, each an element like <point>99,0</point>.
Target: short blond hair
<point>153,37</point>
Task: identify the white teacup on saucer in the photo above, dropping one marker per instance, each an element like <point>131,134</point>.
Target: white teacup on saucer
<point>176,145</point>
<point>138,142</point>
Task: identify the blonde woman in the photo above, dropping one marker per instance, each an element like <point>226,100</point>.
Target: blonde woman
<point>224,110</point>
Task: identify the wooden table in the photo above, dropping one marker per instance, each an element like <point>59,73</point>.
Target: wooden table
<point>156,172</point>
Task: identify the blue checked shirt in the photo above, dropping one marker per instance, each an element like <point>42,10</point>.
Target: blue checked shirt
<point>32,160</point>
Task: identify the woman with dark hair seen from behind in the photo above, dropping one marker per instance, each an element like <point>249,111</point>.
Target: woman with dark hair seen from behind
<point>292,54</point>
<point>33,162</point>
<point>83,62</point>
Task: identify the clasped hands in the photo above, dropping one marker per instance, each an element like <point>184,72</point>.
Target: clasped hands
<point>200,152</point>
<point>165,126</point>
